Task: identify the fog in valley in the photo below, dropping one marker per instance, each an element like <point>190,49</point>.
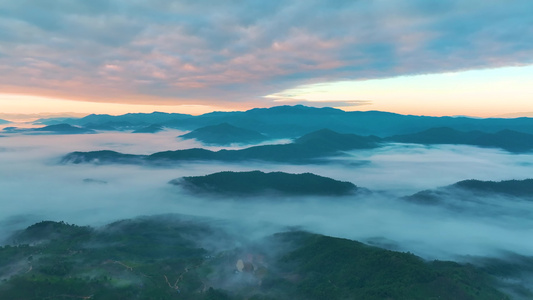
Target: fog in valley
<point>36,187</point>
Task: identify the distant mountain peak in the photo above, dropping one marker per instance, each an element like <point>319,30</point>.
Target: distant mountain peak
<point>298,108</point>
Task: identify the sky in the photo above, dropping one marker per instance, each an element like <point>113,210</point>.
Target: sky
<point>448,57</point>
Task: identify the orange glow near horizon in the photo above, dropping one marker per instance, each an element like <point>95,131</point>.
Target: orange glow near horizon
<point>476,93</point>
<point>30,104</point>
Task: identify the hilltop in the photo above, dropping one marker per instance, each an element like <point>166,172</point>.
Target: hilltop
<point>257,183</point>
<point>475,190</point>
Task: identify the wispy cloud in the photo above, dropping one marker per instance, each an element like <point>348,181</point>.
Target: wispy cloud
<point>198,52</point>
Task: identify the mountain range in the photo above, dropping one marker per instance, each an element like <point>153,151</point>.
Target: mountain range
<point>294,121</point>
<point>310,148</point>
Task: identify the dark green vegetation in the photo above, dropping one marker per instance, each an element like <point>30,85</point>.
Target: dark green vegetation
<point>257,183</point>
<point>475,190</point>
<point>141,259</point>
<point>509,140</point>
<point>224,134</point>
<point>171,257</point>
<point>333,268</point>
<point>306,149</point>
<point>510,265</point>
<point>294,121</point>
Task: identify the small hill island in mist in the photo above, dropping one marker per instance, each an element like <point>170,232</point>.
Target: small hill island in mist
<point>257,183</point>
<point>475,190</point>
<point>224,134</point>
<point>62,128</point>
<point>65,129</point>
<point>294,121</point>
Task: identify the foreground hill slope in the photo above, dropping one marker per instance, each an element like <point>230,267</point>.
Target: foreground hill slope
<point>168,257</point>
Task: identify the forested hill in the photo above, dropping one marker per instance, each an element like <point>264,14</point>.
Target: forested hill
<point>478,191</point>
<point>163,257</point>
<point>257,183</point>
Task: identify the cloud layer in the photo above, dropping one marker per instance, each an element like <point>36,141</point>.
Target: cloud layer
<point>235,52</point>
<point>36,188</point>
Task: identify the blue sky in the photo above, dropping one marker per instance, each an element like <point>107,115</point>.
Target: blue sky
<point>225,55</point>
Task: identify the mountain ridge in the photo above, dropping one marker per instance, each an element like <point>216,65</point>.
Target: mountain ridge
<point>509,140</point>
<point>293,121</point>
<point>306,150</point>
